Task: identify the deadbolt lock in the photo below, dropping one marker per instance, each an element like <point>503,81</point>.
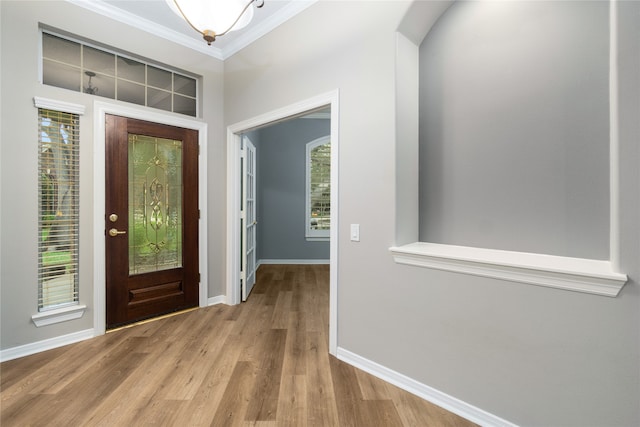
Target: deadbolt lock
<point>113,217</point>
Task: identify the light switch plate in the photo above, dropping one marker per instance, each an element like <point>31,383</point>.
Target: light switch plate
<point>355,232</point>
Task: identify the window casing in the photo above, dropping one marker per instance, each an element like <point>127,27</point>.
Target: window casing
<point>318,189</point>
<point>58,208</point>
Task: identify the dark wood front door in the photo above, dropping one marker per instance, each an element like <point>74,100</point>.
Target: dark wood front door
<point>151,219</point>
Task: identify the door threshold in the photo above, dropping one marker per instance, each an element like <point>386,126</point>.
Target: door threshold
<point>151,319</point>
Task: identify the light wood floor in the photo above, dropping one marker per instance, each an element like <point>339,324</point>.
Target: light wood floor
<point>261,363</point>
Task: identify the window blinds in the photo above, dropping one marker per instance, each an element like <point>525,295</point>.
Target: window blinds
<point>58,206</point>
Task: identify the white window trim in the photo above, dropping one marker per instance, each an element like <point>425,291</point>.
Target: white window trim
<point>573,274</point>
<point>59,315</point>
<point>598,277</point>
<point>75,310</point>
<point>52,104</point>
<point>312,235</point>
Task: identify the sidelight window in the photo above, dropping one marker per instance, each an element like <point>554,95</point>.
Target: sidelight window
<point>58,205</point>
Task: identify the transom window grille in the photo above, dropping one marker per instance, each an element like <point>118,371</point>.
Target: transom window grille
<point>77,66</point>
<point>318,192</point>
<point>58,202</point>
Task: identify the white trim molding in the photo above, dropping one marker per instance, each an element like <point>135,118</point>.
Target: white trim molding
<point>113,12</point>
<point>426,392</point>
<point>59,315</point>
<point>257,30</point>
<point>573,274</point>
<point>53,104</point>
<point>44,345</point>
<point>237,42</point>
<point>220,299</point>
<point>293,261</point>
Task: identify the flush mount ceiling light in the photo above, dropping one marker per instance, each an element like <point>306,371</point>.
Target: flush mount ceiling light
<point>214,18</point>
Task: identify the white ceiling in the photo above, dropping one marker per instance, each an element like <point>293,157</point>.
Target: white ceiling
<point>155,17</point>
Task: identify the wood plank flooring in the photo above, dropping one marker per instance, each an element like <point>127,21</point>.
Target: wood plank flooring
<point>262,363</point>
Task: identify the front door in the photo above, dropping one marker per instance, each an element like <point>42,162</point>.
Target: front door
<point>151,219</point>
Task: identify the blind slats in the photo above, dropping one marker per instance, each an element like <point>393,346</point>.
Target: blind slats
<point>58,219</point>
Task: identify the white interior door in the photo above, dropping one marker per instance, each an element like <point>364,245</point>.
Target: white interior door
<point>249,222</point>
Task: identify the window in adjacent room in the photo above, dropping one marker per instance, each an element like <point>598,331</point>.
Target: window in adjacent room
<point>318,189</point>
<point>58,205</point>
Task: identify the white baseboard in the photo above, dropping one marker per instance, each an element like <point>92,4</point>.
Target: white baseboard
<point>220,299</point>
<point>292,261</point>
<point>430,394</point>
<point>48,344</point>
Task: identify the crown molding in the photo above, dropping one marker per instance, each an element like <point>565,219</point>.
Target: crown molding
<point>256,31</point>
<point>248,36</point>
<point>104,9</point>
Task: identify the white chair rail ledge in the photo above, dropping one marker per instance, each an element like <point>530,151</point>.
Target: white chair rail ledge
<point>573,274</point>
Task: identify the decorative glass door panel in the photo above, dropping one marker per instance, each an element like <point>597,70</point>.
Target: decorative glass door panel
<point>155,204</point>
<point>151,219</point>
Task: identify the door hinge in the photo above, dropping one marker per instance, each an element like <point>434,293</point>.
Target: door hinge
<point>198,277</point>
<point>198,149</point>
<point>198,213</point>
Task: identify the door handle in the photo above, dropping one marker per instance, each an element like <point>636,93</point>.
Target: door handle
<point>114,232</point>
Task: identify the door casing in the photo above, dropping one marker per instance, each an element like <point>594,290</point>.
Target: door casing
<point>234,191</point>
<point>101,109</point>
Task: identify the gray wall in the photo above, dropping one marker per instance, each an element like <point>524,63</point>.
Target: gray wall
<point>19,171</point>
<point>531,355</point>
<point>281,157</point>
<point>514,128</point>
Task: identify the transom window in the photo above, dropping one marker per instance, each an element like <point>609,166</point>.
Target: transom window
<point>77,66</point>
<point>318,191</point>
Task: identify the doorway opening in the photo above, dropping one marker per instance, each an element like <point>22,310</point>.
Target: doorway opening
<point>286,192</point>
<point>326,102</point>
